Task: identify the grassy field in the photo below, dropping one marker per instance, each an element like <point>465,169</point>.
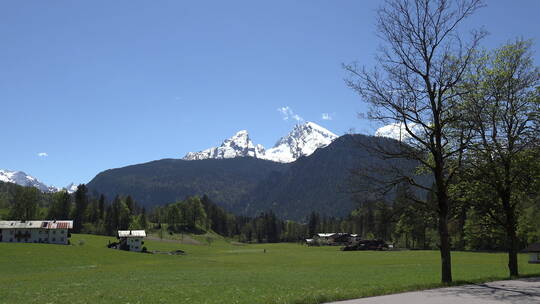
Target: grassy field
<point>224,273</point>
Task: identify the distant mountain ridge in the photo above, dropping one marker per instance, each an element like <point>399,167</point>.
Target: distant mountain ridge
<point>303,140</point>
<point>22,179</point>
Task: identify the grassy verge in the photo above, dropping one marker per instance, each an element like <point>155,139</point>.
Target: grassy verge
<point>224,273</point>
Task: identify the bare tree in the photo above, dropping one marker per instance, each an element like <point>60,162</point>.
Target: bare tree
<point>415,86</point>
<point>504,109</point>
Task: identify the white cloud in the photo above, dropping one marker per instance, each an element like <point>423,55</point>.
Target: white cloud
<point>326,116</point>
<point>397,131</point>
<point>42,154</point>
<point>287,113</point>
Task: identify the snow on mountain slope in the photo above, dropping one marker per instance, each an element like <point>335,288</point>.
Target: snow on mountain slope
<point>303,140</point>
<point>397,131</point>
<point>240,145</point>
<point>70,188</point>
<point>23,179</point>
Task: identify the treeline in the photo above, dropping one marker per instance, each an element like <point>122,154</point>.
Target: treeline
<point>93,215</point>
<point>197,215</point>
<point>97,215</point>
<point>408,223</point>
<point>404,221</point>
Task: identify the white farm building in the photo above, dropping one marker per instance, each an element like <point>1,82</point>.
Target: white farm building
<point>131,240</point>
<point>49,232</point>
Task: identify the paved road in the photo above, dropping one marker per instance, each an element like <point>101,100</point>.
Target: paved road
<point>523,291</point>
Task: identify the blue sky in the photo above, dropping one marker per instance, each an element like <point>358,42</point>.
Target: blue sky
<point>103,84</point>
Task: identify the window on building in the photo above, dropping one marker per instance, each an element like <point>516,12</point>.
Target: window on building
<point>53,239</point>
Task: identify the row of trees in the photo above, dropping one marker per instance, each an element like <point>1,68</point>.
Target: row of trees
<point>96,215</point>
<point>402,221</point>
<point>90,214</point>
<point>198,215</point>
<point>469,117</point>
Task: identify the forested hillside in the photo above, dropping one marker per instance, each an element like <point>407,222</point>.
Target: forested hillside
<point>160,182</point>
<point>321,182</point>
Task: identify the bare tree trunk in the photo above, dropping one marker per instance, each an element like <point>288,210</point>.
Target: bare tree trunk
<point>512,252</point>
<point>511,235</point>
<point>446,264</point>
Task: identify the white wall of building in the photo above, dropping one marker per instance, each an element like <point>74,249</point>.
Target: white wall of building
<point>35,235</point>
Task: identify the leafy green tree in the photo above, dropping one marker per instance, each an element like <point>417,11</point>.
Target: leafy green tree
<point>143,221</point>
<point>482,233</point>
<point>130,203</point>
<point>313,223</point>
<point>101,206</point>
<point>111,221</point>
<point>505,111</point>
<point>93,211</point>
<point>81,205</point>
<point>24,205</point>
<point>124,214</point>
<point>416,85</point>
<point>60,207</point>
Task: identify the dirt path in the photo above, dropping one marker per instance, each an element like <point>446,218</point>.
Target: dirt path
<point>523,291</point>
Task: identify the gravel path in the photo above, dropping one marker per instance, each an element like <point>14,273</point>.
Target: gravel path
<point>522,291</point>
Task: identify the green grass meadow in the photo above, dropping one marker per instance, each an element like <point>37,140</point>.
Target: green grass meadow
<point>224,272</point>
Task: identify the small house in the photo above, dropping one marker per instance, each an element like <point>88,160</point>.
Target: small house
<point>49,232</point>
<point>131,240</point>
<point>534,253</point>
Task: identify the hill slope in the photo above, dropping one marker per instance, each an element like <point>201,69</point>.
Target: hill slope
<point>164,181</point>
<point>318,182</point>
<point>322,182</point>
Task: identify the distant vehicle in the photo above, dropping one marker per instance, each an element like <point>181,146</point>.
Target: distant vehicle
<point>367,245</point>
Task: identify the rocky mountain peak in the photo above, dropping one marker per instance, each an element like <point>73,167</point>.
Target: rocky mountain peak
<point>303,140</point>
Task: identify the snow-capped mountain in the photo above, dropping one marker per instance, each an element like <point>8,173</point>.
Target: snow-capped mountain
<point>303,140</point>
<point>23,179</point>
<point>70,188</point>
<point>240,145</point>
<point>397,131</point>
